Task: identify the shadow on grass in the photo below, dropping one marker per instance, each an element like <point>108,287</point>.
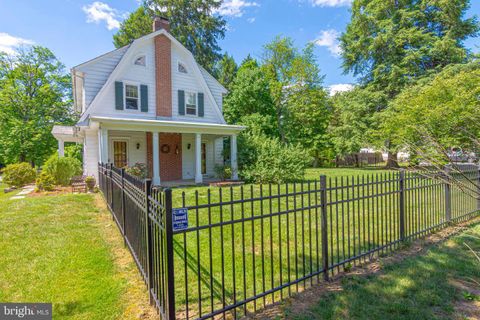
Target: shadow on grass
<point>417,287</point>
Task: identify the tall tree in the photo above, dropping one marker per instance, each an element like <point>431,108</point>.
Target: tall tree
<point>308,110</point>
<point>226,70</point>
<point>443,107</point>
<point>353,121</point>
<point>390,44</point>
<point>249,101</point>
<point>194,23</point>
<point>136,25</point>
<point>296,89</point>
<point>35,94</point>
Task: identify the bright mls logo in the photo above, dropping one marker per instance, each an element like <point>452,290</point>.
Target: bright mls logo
<point>28,311</point>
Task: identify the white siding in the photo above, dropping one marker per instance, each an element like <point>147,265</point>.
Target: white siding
<point>129,72</point>
<point>215,87</point>
<point>188,156</point>
<point>189,83</point>
<point>90,154</point>
<point>218,153</point>
<point>132,138</point>
<point>98,71</point>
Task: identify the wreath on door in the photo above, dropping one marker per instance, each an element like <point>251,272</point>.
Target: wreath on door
<point>165,148</point>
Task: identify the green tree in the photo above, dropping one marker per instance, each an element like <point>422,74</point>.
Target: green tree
<point>35,94</point>
<point>443,107</point>
<point>225,70</point>
<point>136,25</point>
<point>193,23</point>
<point>308,110</point>
<point>249,102</point>
<point>353,122</point>
<point>300,102</point>
<point>391,44</point>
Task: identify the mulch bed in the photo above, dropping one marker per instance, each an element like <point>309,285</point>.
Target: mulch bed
<point>58,191</point>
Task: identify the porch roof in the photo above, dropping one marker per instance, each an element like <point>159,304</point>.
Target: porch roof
<point>66,133</point>
<point>167,125</point>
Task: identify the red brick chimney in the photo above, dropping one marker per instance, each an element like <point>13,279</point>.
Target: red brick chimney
<point>161,23</point>
<point>163,69</point>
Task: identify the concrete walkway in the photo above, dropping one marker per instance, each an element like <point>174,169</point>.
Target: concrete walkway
<point>25,190</point>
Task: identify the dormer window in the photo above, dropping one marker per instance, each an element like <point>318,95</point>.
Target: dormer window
<point>140,61</point>
<point>182,68</point>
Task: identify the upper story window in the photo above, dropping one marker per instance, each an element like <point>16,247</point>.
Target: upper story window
<point>140,61</point>
<point>191,103</point>
<point>182,68</point>
<point>131,97</point>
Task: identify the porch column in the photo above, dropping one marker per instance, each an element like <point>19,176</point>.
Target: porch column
<point>156,160</point>
<point>233,157</point>
<point>198,158</point>
<point>61,152</point>
<point>103,145</point>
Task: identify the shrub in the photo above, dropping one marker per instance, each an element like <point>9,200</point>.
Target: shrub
<point>62,169</point>
<point>19,174</point>
<point>138,170</point>
<point>91,182</point>
<point>45,182</point>
<point>270,161</point>
<point>74,151</point>
<point>223,172</point>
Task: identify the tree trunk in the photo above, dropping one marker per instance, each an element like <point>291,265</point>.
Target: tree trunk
<point>316,160</point>
<point>392,161</point>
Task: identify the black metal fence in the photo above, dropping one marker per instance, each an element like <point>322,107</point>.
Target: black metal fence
<point>247,247</point>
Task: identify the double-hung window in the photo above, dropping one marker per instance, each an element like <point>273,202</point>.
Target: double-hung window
<point>131,97</point>
<point>191,103</point>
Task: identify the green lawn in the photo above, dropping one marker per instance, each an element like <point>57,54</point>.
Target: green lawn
<point>315,173</point>
<point>441,284</point>
<point>63,250</point>
<point>251,257</point>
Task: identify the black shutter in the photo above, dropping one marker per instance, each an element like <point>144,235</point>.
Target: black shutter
<point>144,98</point>
<point>118,95</point>
<point>201,111</point>
<point>181,102</point>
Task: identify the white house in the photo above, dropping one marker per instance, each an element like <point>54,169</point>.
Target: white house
<point>150,102</point>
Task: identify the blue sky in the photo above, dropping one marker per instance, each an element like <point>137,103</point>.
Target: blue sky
<point>78,30</point>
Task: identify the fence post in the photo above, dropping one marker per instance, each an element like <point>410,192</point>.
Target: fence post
<point>111,186</point>
<point>448,196</point>
<point>478,189</point>
<point>323,203</point>
<point>170,265</point>
<point>402,203</point>
<point>123,207</point>
<point>148,235</point>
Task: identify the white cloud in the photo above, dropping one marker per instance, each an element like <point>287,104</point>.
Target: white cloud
<point>340,87</point>
<point>251,20</point>
<point>98,11</point>
<point>8,43</point>
<point>235,8</point>
<point>329,39</point>
<point>330,3</point>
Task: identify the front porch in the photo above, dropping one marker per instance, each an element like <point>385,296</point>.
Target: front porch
<point>174,153</point>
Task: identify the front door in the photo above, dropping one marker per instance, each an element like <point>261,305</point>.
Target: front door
<point>120,154</point>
